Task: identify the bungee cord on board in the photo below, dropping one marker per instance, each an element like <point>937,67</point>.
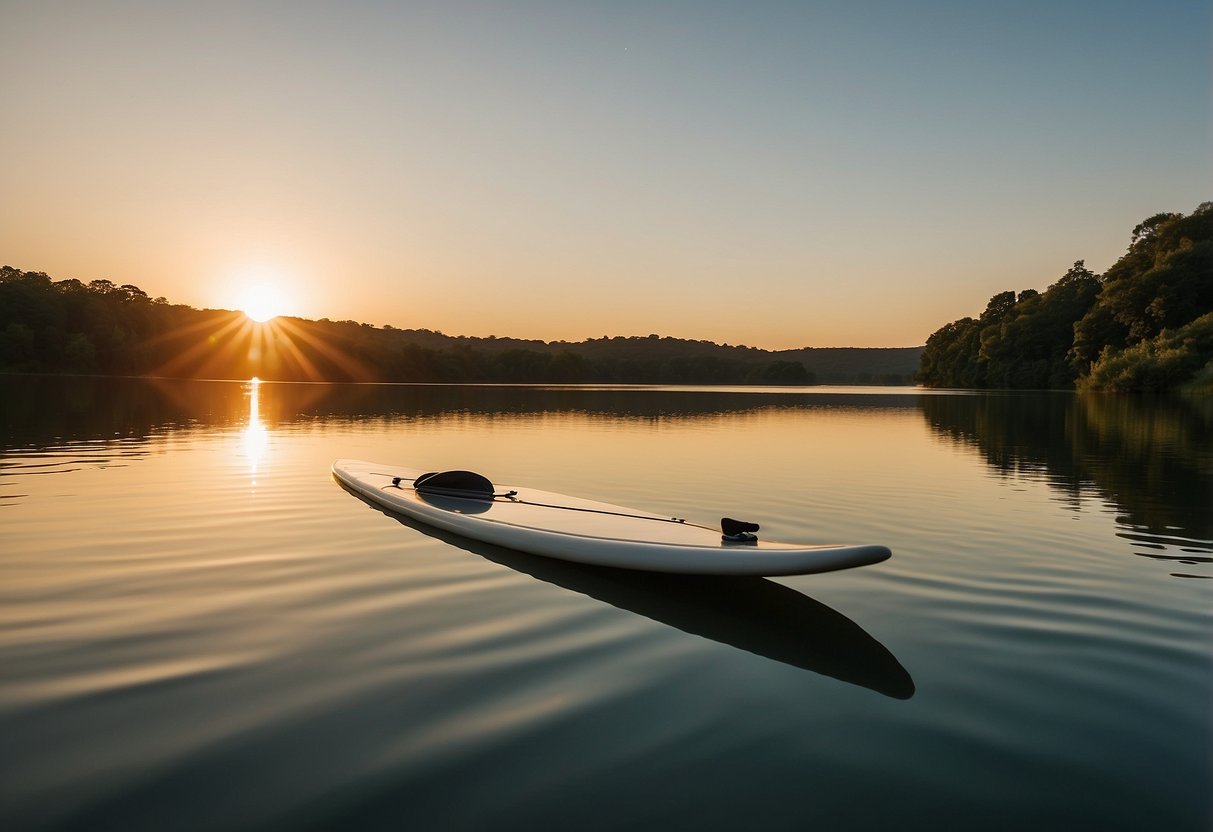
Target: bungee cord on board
<point>512,497</point>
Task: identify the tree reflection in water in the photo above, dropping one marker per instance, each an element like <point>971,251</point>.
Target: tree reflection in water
<point>1151,457</point>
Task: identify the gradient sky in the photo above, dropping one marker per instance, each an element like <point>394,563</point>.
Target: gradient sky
<point>773,174</point>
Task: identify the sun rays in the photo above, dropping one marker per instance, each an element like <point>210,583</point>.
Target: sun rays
<point>233,345</point>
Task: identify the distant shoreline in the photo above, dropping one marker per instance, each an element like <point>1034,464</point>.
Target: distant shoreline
<point>585,385</point>
<point>102,328</point>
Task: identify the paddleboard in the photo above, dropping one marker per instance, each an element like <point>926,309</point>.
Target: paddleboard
<point>586,531</point>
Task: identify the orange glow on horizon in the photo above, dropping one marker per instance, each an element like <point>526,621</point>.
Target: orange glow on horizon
<point>232,345</point>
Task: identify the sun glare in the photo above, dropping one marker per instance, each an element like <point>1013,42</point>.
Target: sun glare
<point>261,302</point>
<point>254,439</point>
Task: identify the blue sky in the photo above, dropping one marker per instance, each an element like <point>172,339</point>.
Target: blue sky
<point>776,174</point>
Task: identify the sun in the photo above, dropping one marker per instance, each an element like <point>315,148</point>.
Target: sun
<point>261,302</point>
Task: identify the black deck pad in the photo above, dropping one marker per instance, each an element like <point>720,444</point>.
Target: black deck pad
<point>455,483</point>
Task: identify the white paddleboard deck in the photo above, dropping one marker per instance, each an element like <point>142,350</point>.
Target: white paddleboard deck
<point>585,531</point>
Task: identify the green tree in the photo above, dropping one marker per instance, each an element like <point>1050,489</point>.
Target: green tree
<point>79,355</point>
<point>1164,280</point>
<point>950,356</point>
<point>1083,321</point>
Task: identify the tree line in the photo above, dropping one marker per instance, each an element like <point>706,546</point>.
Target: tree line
<point>1144,324</point>
<point>101,327</point>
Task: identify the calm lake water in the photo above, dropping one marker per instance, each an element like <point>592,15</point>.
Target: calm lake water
<point>199,629</point>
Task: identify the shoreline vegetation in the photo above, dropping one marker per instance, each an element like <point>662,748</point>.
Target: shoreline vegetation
<point>103,328</point>
<point>1146,324</point>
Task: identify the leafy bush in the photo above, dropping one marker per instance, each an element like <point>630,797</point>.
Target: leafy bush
<point>1167,361</point>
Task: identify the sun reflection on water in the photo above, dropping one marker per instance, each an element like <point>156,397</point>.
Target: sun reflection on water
<point>254,439</point>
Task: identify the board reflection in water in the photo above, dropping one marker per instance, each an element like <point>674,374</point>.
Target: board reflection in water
<point>752,614</point>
